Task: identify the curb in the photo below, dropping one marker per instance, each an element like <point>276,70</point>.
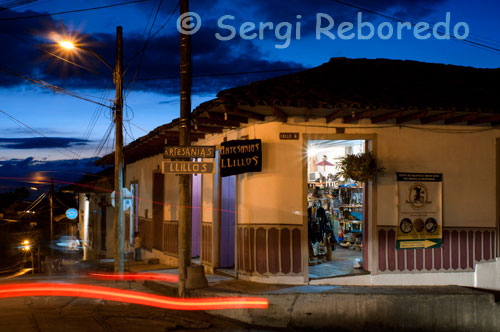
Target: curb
<point>447,308</point>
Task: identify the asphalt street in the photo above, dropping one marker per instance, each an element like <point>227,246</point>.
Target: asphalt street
<point>71,314</point>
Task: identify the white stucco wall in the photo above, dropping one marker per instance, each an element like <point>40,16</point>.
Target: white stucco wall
<point>465,155</point>
<point>142,173</point>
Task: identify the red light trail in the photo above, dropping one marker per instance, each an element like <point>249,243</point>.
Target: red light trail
<point>119,295</point>
<point>135,276</point>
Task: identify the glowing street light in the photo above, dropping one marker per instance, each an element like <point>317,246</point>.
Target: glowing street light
<point>26,247</point>
<point>69,45</point>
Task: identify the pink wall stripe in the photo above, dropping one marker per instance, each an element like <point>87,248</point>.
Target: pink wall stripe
<point>437,258</point>
<point>428,259</point>
<point>391,255</point>
<point>487,247</point>
<point>478,246</point>
<point>493,242</point>
<point>410,254</point>
<point>420,259</point>
<point>463,250</point>
<point>401,260</point>
<point>381,250</point>
<point>446,250</point>
<point>471,252</point>
<point>454,250</point>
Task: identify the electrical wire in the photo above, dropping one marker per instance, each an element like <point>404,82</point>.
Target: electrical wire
<point>69,11</point>
<point>154,34</point>
<point>225,74</point>
<point>54,88</point>
<point>36,131</point>
<point>146,43</point>
<point>394,18</point>
<point>5,5</point>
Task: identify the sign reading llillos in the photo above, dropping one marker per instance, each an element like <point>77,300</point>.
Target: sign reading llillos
<point>240,156</point>
<point>187,167</point>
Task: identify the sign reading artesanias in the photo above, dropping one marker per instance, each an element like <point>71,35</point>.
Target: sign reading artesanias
<point>419,210</point>
<point>240,156</point>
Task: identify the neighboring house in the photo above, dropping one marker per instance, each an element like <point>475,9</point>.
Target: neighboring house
<point>95,214</point>
<point>415,118</point>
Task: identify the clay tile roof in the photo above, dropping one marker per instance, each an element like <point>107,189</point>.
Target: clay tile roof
<point>379,83</point>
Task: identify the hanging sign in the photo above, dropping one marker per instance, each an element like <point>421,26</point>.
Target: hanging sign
<point>189,152</point>
<point>419,210</point>
<point>187,167</point>
<point>240,156</point>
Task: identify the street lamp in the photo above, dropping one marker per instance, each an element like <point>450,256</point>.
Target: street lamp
<point>118,108</point>
<point>26,247</point>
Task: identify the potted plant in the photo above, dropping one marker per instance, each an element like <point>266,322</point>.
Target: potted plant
<point>360,167</point>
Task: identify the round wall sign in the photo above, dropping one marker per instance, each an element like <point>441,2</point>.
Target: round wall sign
<point>71,213</point>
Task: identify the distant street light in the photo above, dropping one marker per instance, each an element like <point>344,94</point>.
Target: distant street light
<point>26,247</point>
<point>118,108</point>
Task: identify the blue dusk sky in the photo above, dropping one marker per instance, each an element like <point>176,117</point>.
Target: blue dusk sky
<point>41,129</point>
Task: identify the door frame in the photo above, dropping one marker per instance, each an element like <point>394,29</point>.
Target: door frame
<point>371,239</point>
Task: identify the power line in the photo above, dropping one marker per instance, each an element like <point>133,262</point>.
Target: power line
<point>491,48</point>
<point>224,74</point>
<point>143,51</point>
<point>34,130</point>
<point>70,11</point>
<point>52,87</point>
<point>157,32</point>
<point>14,3</point>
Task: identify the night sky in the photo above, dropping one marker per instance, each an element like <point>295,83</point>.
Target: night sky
<point>47,133</point>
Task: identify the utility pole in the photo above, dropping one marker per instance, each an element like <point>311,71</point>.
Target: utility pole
<point>51,202</point>
<point>184,235</point>
<point>118,216</point>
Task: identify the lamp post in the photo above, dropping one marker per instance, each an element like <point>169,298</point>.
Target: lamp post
<point>118,117</point>
<point>26,247</point>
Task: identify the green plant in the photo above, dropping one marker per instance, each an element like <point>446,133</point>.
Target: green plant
<point>360,167</point>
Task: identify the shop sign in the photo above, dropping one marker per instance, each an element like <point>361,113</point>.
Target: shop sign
<point>420,202</point>
<point>189,152</point>
<point>240,156</point>
<point>289,136</point>
<point>187,167</point>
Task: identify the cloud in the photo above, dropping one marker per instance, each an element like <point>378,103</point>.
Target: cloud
<point>22,40</point>
<point>25,131</point>
<point>22,54</point>
<point>40,143</point>
<point>25,172</point>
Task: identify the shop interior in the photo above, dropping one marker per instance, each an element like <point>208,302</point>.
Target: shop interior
<point>335,211</point>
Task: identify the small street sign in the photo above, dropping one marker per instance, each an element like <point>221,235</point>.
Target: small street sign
<point>189,152</point>
<point>127,199</point>
<point>71,213</point>
<point>289,136</point>
<point>187,167</point>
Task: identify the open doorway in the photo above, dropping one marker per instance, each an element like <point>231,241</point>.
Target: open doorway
<point>335,211</point>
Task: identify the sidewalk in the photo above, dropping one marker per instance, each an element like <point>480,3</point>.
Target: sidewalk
<point>353,308</point>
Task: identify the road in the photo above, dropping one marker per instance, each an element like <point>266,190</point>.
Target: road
<point>70,314</point>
